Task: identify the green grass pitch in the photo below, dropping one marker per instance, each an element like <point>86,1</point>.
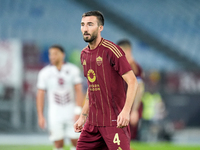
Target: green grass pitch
<point>162,146</point>
<point>135,146</point>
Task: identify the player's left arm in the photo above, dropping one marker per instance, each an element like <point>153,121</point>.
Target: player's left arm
<point>79,98</point>
<point>124,116</point>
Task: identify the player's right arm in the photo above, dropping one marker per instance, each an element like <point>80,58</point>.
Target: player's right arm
<point>41,85</point>
<point>78,126</point>
<point>40,108</point>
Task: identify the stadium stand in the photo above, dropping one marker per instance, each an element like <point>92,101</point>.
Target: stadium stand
<point>46,22</point>
<point>173,22</point>
<point>165,36</point>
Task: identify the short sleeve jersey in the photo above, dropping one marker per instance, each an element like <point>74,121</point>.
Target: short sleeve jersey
<point>104,67</point>
<point>59,86</point>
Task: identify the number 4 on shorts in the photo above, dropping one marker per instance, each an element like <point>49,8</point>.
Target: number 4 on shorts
<point>116,139</point>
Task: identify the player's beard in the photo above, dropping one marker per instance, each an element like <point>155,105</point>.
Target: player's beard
<point>91,39</point>
<point>55,62</point>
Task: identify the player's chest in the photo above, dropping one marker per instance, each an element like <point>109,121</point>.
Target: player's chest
<point>94,61</point>
<point>59,79</point>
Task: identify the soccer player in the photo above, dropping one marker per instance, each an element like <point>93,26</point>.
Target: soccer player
<point>137,108</point>
<point>63,84</point>
<point>107,107</point>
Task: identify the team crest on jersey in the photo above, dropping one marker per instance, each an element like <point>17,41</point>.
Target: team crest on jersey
<point>99,60</point>
<point>61,81</point>
<point>84,62</point>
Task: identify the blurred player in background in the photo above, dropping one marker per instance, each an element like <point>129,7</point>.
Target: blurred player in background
<point>108,105</point>
<point>63,84</point>
<point>137,108</point>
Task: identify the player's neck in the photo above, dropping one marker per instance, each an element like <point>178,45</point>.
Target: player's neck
<point>95,43</point>
<point>59,65</point>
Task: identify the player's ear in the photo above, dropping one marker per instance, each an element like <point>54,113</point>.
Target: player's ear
<point>63,56</point>
<point>101,28</point>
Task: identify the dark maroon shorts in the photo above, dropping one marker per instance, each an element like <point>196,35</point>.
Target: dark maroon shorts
<point>104,138</point>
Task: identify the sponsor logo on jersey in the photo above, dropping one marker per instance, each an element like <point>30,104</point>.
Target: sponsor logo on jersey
<point>91,75</point>
<point>99,60</point>
<point>84,62</point>
<point>94,87</point>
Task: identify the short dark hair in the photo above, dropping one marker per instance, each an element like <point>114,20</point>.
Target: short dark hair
<point>124,42</point>
<point>96,13</point>
<point>58,47</point>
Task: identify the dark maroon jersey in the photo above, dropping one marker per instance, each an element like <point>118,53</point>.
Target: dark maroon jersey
<point>104,67</point>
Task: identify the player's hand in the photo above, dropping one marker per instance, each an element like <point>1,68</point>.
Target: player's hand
<point>134,117</point>
<point>123,119</point>
<point>41,122</point>
<point>78,126</point>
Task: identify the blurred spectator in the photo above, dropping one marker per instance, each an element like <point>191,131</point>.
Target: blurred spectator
<point>154,112</point>
<point>137,108</point>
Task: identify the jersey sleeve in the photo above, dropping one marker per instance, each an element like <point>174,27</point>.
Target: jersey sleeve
<point>119,61</point>
<point>77,75</point>
<point>81,58</point>
<point>41,81</point>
